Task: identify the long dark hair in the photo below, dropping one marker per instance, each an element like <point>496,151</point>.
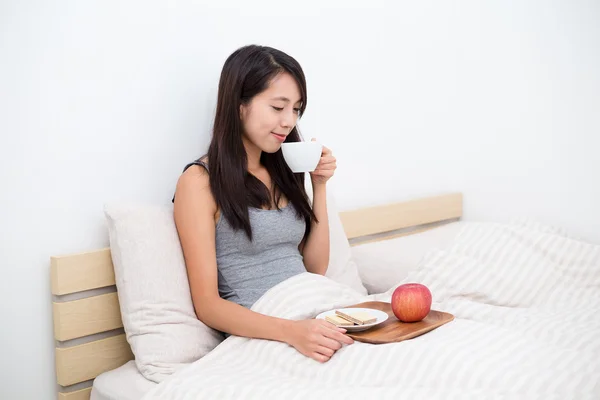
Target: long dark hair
<point>246,73</point>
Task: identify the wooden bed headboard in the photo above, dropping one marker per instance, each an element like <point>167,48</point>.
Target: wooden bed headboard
<point>87,321</point>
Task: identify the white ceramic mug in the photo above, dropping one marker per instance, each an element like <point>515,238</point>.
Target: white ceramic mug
<point>302,156</point>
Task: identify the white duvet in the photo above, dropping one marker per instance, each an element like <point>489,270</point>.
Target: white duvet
<point>527,308</point>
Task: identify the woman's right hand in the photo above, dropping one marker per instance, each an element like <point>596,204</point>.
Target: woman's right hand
<point>317,338</point>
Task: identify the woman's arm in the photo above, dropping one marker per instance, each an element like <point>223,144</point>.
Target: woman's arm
<point>315,249</point>
<point>194,215</point>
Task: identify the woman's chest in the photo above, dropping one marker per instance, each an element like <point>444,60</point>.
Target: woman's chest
<point>273,231</point>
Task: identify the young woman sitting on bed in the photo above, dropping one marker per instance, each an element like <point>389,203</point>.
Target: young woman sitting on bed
<point>244,219</point>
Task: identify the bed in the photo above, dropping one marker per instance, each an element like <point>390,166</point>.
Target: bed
<point>525,296</point>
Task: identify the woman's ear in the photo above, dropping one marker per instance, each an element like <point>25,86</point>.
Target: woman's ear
<point>242,112</point>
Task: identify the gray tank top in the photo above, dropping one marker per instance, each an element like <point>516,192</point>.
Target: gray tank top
<point>247,269</point>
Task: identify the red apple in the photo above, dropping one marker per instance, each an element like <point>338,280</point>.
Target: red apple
<point>411,302</point>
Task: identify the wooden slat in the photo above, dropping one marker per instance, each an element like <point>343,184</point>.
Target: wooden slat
<point>87,361</point>
<point>385,218</point>
<point>83,271</point>
<point>74,319</point>
<point>83,394</point>
<point>394,236</point>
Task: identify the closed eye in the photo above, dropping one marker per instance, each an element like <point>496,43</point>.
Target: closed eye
<point>277,108</point>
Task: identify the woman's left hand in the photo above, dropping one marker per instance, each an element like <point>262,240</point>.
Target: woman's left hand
<point>325,169</point>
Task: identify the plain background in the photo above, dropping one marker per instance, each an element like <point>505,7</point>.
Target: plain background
<point>107,100</point>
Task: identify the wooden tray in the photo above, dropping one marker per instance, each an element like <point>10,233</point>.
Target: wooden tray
<point>393,330</point>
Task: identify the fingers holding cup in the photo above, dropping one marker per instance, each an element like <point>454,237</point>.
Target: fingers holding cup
<point>326,166</point>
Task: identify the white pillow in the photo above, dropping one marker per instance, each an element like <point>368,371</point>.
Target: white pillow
<point>154,295</point>
<point>342,267</point>
<point>383,264</point>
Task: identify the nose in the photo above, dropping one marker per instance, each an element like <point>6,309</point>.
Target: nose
<point>288,119</point>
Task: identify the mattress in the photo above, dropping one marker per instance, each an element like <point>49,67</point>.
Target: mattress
<point>123,383</point>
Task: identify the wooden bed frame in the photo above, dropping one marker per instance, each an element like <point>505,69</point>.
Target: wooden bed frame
<point>87,321</point>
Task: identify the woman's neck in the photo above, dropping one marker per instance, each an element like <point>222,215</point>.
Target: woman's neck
<point>253,154</point>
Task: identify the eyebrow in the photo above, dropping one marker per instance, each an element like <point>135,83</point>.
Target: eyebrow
<point>283,98</point>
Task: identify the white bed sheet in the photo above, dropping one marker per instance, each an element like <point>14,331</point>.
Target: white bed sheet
<point>123,383</point>
<point>527,305</point>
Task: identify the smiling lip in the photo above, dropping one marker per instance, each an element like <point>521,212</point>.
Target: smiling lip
<point>281,138</point>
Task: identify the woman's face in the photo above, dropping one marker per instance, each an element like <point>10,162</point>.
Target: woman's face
<point>271,115</point>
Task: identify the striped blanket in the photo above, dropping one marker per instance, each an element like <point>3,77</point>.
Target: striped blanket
<point>527,308</point>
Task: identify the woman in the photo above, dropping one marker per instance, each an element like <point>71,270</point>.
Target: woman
<point>244,219</point>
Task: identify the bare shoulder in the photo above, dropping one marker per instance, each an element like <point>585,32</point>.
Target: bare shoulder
<point>195,177</point>
<point>193,187</point>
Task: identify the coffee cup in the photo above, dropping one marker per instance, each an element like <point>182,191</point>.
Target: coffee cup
<point>302,156</point>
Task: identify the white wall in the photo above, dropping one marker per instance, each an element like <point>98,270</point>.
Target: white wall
<point>108,100</point>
